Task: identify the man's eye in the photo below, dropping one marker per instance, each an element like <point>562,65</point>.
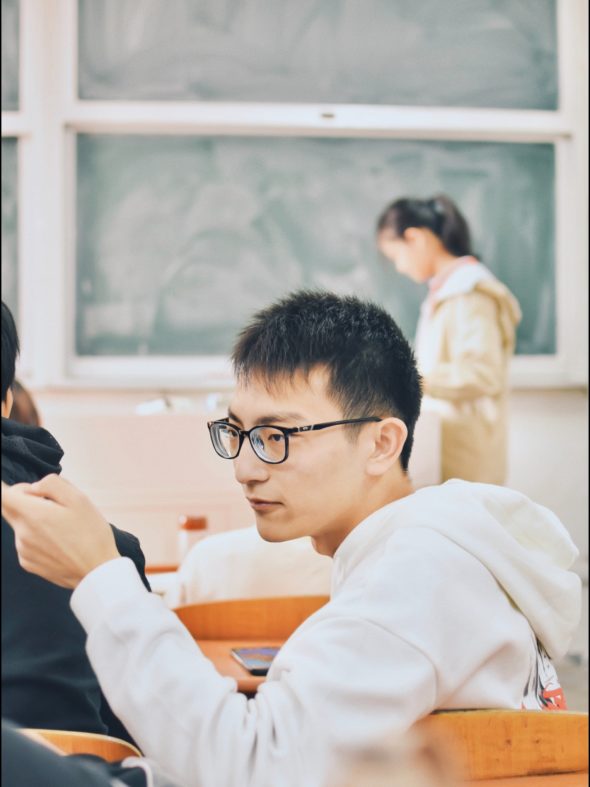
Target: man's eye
<point>276,437</point>
<point>229,431</point>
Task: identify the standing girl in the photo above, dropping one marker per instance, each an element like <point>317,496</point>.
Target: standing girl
<point>466,333</point>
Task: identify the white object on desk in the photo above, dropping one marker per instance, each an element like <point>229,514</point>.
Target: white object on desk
<point>190,530</point>
<point>162,582</point>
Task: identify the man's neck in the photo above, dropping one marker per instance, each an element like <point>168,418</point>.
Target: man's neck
<point>380,496</point>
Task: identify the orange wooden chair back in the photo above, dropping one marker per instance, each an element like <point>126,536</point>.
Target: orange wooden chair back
<point>70,742</point>
<point>273,618</point>
<point>492,744</point>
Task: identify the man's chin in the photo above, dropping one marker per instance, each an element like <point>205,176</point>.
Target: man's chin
<point>272,531</point>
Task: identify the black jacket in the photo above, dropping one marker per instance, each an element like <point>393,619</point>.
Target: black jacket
<point>47,680</point>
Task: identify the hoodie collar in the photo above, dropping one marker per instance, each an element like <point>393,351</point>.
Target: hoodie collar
<point>359,543</point>
<point>436,282</point>
<point>28,452</point>
<point>459,279</point>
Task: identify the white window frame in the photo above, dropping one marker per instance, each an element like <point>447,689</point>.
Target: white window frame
<point>50,115</point>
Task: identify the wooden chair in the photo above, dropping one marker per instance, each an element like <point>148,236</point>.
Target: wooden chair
<point>493,744</point>
<point>249,619</point>
<point>69,742</point>
<point>161,568</point>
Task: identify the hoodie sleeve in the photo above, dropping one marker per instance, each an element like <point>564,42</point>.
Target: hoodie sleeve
<point>192,721</point>
<point>430,629</point>
<point>473,343</point>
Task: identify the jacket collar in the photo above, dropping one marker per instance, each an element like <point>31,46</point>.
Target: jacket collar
<point>459,279</point>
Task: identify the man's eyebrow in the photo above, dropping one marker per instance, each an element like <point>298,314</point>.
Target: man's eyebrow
<point>269,418</point>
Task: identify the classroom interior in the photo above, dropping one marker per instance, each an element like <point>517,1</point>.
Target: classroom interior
<point>166,172</point>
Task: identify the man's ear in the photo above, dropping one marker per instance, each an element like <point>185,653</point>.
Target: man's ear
<point>389,437</point>
<point>7,404</point>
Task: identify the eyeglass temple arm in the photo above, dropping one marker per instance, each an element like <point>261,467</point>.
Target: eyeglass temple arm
<point>316,427</point>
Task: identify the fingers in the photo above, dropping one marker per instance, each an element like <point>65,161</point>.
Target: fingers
<point>59,534</point>
<point>19,505</point>
<point>54,487</point>
<point>51,487</point>
<point>7,487</point>
<point>10,498</point>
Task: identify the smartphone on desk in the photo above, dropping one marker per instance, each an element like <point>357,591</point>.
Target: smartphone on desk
<point>256,660</point>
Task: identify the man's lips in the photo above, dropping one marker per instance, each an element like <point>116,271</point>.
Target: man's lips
<point>259,504</point>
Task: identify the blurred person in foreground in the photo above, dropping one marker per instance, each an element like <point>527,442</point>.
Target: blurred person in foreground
<point>419,758</point>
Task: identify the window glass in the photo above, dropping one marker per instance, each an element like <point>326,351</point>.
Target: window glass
<point>9,224</point>
<point>456,53</point>
<point>10,48</point>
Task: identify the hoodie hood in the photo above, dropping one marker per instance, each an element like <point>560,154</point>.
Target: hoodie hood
<point>28,452</point>
<point>476,277</point>
<point>524,546</point>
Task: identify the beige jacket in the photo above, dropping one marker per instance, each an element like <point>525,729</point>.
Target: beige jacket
<point>466,336</point>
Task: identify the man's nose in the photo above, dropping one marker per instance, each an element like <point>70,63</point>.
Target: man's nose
<point>249,468</point>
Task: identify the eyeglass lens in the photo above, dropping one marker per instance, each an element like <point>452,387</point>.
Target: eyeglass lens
<point>269,444</point>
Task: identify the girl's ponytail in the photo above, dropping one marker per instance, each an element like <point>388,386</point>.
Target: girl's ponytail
<point>453,230</point>
<point>439,214</point>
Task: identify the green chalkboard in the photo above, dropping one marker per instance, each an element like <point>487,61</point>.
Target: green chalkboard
<point>180,239</point>
<point>470,53</point>
<point>9,225</point>
<point>10,49</point>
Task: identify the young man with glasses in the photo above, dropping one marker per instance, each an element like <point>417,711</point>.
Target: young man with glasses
<point>449,597</point>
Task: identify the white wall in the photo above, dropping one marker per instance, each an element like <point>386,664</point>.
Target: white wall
<point>144,471</point>
<point>549,455</point>
<point>549,463</point>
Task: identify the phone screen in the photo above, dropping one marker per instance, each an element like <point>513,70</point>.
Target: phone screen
<point>256,660</point>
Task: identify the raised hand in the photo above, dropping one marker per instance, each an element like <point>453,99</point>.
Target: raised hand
<point>59,533</point>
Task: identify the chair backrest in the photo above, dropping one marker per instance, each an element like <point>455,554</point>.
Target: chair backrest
<point>275,618</point>
<point>492,744</point>
<point>70,742</point>
<point>161,568</point>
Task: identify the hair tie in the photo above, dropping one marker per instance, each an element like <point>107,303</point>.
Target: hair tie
<point>436,206</point>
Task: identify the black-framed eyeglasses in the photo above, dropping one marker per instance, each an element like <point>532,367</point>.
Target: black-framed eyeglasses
<point>270,443</point>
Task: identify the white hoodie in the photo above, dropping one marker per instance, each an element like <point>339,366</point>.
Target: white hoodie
<point>438,600</point>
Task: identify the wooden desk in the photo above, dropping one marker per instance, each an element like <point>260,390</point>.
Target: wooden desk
<point>551,780</point>
<point>218,650</point>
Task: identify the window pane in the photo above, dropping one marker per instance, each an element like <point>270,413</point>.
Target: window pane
<point>473,53</point>
<point>10,54</point>
<point>9,225</point>
<point>180,239</point>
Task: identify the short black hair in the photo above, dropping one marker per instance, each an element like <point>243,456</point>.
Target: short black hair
<point>10,350</point>
<point>371,366</point>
